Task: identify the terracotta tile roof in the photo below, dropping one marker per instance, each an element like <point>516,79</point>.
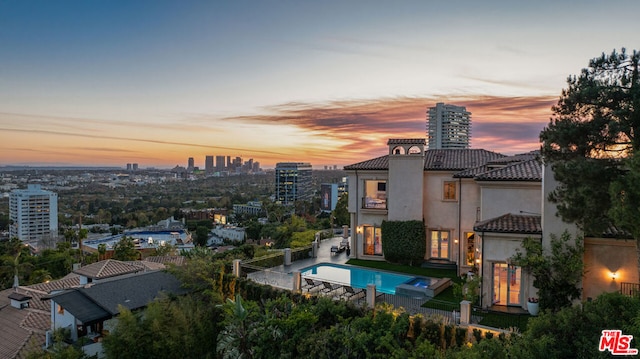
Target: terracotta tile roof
<point>411,141</point>
<point>379,163</point>
<point>70,280</point>
<point>511,223</point>
<point>530,171</point>
<point>436,160</point>
<point>108,268</point>
<point>175,260</point>
<point>458,159</point>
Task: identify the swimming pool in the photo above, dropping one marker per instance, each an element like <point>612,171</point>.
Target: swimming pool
<point>357,277</point>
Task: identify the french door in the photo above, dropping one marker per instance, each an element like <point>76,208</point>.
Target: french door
<point>440,244</point>
<point>506,284</point>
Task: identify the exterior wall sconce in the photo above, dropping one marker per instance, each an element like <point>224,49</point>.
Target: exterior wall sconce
<point>614,275</point>
<point>359,229</point>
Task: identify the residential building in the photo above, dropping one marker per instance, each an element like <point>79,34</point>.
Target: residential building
<point>293,182</point>
<point>448,127</point>
<point>329,193</point>
<point>477,207</point>
<point>85,309</point>
<point>253,208</point>
<point>33,213</point>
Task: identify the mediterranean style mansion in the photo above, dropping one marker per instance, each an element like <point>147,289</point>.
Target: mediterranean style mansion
<point>477,207</point>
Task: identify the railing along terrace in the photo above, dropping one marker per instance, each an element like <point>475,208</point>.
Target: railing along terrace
<point>630,289</point>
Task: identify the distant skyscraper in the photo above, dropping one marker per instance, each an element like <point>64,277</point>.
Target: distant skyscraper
<point>293,182</point>
<point>220,163</point>
<point>135,167</point>
<point>208,165</point>
<point>33,213</point>
<point>448,126</point>
<point>129,167</point>
<point>191,164</point>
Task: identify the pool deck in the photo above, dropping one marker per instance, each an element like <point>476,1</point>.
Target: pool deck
<point>282,277</point>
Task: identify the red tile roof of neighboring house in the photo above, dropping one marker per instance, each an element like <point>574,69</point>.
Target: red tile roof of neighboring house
<point>511,223</point>
<point>107,268</point>
<point>176,260</point>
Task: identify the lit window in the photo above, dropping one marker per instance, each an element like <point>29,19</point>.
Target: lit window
<point>372,241</point>
<point>375,194</point>
<point>60,309</point>
<point>449,191</point>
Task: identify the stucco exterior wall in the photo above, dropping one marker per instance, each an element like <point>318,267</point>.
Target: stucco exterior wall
<point>406,176</point>
<point>500,198</point>
<point>440,213</point>
<point>64,320</point>
<point>498,248</point>
<point>604,256</point>
<point>552,223</point>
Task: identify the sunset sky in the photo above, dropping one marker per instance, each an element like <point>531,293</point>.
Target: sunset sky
<point>327,82</point>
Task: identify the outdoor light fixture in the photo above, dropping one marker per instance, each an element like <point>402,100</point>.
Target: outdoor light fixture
<point>614,275</point>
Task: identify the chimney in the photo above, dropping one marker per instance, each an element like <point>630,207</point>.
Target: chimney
<point>19,301</point>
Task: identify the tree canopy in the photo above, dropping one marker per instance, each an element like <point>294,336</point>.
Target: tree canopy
<point>591,141</point>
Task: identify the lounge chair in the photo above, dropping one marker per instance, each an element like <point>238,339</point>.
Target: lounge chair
<point>329,288</point>
<point>311,284</point>
<point>351,294</point>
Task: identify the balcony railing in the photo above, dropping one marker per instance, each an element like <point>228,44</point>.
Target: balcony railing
<point>630,289</point>
<point>374,203</point>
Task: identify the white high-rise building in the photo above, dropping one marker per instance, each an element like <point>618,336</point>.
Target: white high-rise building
<point>33,213</point>
<point>448,127</point>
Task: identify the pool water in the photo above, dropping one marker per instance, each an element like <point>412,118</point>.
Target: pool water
<point>357,277</point>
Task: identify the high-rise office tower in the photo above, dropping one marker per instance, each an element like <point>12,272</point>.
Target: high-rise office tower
<point>191,164</point>
<point>208,164</point>
<point>220,163</point>
<point>135,167</point>
<point>293,182</point>
<point>448,126</point>
<point>33,213</point>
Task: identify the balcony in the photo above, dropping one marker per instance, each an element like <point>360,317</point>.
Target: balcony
<point>374,203</point>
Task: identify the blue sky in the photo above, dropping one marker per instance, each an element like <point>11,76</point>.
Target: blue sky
<point>155,82</point>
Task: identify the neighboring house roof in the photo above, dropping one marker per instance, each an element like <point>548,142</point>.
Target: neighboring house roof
<point>81,306</point>
<point>436,160</point>
<point>22,330</point>
<point>175,260</point>
<point>530,171</point>
<point>107,268</point>
<point>511,223</point>
<point>101,300</point>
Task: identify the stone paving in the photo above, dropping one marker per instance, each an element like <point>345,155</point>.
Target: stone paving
<point>282,277</point>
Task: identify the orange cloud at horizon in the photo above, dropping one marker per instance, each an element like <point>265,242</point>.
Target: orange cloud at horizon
<point>331,133</point>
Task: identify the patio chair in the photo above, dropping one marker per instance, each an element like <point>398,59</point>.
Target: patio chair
<point>311,284</point>
<point>352,294</point>
<point>329,288</point>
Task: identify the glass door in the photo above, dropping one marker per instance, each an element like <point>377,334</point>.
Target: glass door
<point>506,284</point>
<point>440,244</point>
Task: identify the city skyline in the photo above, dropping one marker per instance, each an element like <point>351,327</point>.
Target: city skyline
<point>156,82</point>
